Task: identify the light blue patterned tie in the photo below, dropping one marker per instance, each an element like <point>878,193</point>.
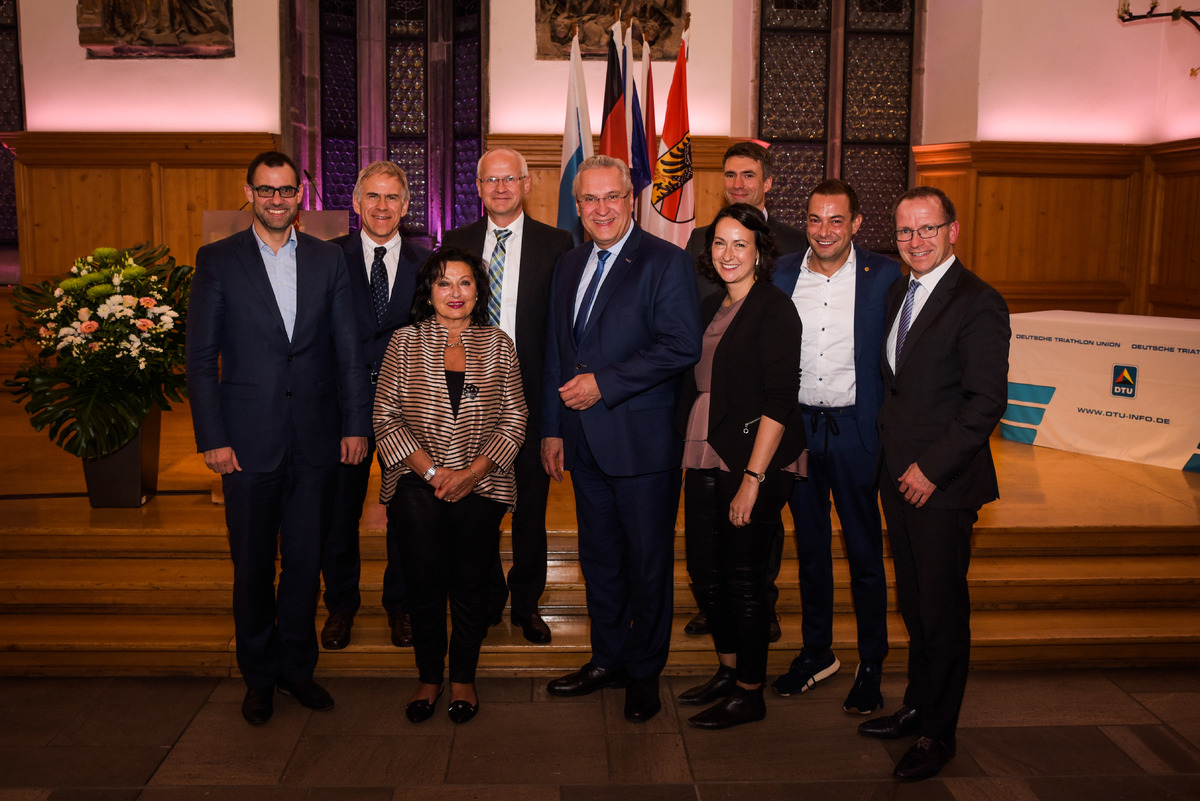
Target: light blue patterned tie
<point>585,308</point>
<point>496,276</point>
<point>905,318</point>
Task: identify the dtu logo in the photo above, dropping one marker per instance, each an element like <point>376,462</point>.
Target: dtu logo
<point>1124,380</point>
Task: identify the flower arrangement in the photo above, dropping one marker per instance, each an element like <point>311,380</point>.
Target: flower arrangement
<point>110,343</point>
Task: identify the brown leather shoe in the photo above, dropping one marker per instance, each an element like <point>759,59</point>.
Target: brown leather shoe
<point>335,634</point>
<point>401,625</point>
<point>533,628</point>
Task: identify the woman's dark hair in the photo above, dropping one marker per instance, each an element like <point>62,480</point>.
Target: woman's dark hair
<point>752,220</point>
<point>434,268</point>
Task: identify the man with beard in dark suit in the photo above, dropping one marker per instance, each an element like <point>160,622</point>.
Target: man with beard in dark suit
<point>748,168</point>
<point>383,269</point>
<point>945,386</point>
<point>520,253</point>
<point>279,397</point>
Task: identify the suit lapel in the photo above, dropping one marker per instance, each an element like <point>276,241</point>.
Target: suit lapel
<point>256,275</point>
<point>616,274</point>
<point>929,312</point>
<point>360,287</point>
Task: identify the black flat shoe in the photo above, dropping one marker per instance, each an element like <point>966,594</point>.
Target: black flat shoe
<point>462,711</point>
<point>716,688</point>
<point>421,710</point>
<point>742,706</point>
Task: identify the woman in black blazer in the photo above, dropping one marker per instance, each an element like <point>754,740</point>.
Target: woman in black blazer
<point>742,430</point>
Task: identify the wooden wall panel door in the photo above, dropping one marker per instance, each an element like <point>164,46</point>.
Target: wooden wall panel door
<point>1174,282</point>
<point>79,191</point>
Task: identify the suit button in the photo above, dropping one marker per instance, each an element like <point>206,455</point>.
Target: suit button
<point>580,366</point>
<point>288,393</point>
<point>290,357</point>
<point>894,392</point>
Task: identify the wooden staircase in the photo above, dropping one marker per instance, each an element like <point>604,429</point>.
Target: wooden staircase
<point>147,592</point>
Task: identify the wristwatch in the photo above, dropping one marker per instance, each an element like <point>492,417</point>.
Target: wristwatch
<point>428,474</point>
<point>760,476</point>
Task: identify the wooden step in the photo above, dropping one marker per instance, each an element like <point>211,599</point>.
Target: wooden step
<point>44,644</point>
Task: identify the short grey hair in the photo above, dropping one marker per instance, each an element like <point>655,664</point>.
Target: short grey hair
<point>602,162</point>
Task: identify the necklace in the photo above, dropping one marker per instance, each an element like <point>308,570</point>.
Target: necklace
<point>455,345</point>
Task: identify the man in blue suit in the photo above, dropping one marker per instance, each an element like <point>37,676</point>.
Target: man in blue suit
<point>624,325</point>
<point>840,291</point>
<point>383,272</point>
<point>278,397</point>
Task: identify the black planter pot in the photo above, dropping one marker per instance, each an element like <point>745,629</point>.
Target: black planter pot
<point>128,477</point>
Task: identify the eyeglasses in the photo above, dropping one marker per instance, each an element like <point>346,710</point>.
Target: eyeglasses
<point>507,180</point>
<point>925,232</point>
<point>265,191</point>
<point>610,199</point>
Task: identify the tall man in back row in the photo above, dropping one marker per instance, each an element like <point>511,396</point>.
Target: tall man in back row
<point>748,170</point>
<point>520,253</point>
<point>945,374</point>
<point>383,272</point>
<point>279,396</point>
<point>624,326</point>
<point>839,290</point>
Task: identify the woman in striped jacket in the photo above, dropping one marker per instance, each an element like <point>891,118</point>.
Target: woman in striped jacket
<point>449,419</point>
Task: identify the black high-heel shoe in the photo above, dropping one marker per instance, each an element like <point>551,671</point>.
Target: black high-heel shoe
<point>421,710</point>
<point>461,711</point>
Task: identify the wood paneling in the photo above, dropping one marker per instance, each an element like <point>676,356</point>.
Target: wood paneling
<point>1108,228</point>
<point>544,155</point>
<point>78,191</point>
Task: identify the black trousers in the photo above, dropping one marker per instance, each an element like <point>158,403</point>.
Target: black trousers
<point>729,566</point>
<point>931,551</point>
<point>527,576</point>
<point>446,551</point>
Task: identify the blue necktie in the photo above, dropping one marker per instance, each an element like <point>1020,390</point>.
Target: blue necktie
<point>496,276</point>
<point>379,285</point>
<point>905,318</point>
<point>585,308</point>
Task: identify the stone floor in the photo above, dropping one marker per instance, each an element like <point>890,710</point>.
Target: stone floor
<point>1088,735</point>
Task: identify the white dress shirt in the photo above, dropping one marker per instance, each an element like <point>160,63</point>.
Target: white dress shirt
<point>826,307</point>
<point>590,269</point>
<point>927,286</point>
<point>391,259</point>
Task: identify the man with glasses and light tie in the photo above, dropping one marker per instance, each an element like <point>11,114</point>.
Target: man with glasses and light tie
<point>383,272</point>
<point>624,326</point>
<point>945,373</point>
<point>279,397</point>
<point>520,253</point>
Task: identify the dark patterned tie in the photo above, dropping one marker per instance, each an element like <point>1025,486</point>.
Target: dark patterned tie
<point>905,318</point>
<point>379,285</point>
<point>585,308</point>
<point>496,276</point>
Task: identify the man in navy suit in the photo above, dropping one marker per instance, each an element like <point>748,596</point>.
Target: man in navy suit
<point>945,382</point>
<point>839,290</point>
<point>279,398</point>
<point>624,326</point>
<point>383,272</point>
<point>520,253</point>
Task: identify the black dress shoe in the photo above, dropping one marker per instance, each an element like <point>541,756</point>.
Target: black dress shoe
<point>906,721</point>
<point>716,688</point>
<point>421,710</point>
<point>697,625</point>
<point>924,760</point>
<point>462,711</point>
<point>335,634</point>
<point>534,628</point>
<point>308,693</point>
<point>642,700</point>
<point>742,706</point>
<point>258,705</point>
<point>401,625</point>
<point>586,680</point>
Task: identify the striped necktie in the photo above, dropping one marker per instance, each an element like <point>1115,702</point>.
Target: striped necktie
<point>905,318</point>
<point>496,276</point>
